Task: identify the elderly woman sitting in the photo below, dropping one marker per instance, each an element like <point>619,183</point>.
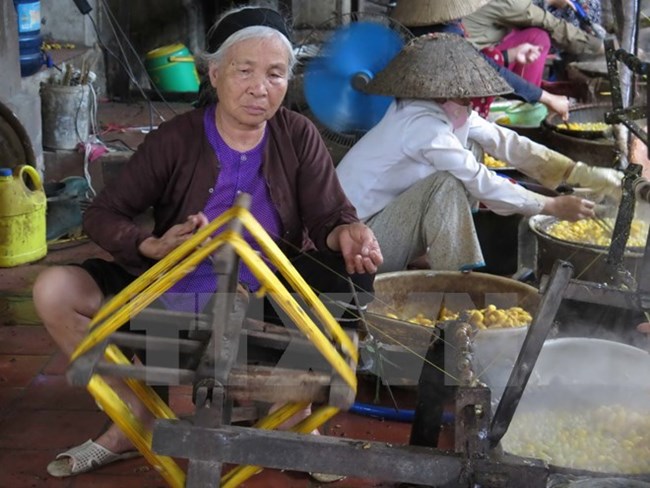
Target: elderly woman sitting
<point>190,170</point>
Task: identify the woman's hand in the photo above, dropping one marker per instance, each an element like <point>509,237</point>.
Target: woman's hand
<point>358,245</point>
<point>524,53</point>
<point>569,207</point>
<point>158,247</point>
<point>556,103</point>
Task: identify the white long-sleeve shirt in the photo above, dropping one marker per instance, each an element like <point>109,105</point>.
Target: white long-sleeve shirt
<point>415,139</point>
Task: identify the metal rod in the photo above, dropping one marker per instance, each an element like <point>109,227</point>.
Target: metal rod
<point>152,343</point>
<point>530,350</point>
<point>601,294</point>
<point>296,452</point>
<point>621,232</point>
<point>153,374</point>
<point>172,317</point>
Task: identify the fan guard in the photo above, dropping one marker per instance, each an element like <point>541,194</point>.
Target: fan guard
<point>340,139</point>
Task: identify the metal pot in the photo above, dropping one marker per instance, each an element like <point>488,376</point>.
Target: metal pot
<point>581,114</point>
<point>589,262</point>
<point>577,375</point>
<point>409,293</point>
<point>600,151</point>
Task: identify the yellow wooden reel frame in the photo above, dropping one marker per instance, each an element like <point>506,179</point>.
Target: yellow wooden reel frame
<point>158,279</point>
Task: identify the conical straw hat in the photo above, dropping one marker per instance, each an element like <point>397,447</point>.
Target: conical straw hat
<point>415,13</point>
<point>438,66</point>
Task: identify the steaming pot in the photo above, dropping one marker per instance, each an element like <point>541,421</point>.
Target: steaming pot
<point>589,261</point>
<point>576,376</point>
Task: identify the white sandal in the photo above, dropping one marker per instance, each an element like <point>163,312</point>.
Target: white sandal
<point>326,477</point>
<point>83,458</point>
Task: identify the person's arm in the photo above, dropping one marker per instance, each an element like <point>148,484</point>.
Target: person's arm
<point>499,194</point>
<point>569,207</point>
<point>429,139</point>
<point>157,248</point>
<point>556,103</point>
<point>530,93</point>
<point>541,163</point>
<point>321,200</point>
<point>523,53</point>
<point>327,214</point>
<point>522,89</point>
<point>559,4</point>
<point>109,220</point>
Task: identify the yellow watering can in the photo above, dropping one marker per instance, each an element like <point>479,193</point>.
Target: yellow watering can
<point>22,216</point>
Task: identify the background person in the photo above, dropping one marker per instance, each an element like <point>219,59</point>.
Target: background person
<point>507,23</point>
<point>564,9</point>
<point>427,16</point>
<point>411,177</point>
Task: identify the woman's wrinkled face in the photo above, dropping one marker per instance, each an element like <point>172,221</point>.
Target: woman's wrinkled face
<point>251,80</point>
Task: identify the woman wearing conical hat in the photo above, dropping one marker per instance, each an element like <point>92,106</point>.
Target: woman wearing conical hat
<point>427,16</point>
<point>411,177</point>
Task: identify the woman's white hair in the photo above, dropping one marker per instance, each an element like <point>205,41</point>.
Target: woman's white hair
<point>253,32</point>
<point>203,60</point>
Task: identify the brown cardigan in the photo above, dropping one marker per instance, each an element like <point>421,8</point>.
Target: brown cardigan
<point>175,168</point>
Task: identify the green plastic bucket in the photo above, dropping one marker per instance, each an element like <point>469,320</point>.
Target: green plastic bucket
<point>172,69</point>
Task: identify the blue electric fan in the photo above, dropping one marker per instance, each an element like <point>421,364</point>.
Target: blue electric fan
<point>334,79</point>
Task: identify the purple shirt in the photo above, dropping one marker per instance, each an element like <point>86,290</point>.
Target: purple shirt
<point>241,172</point>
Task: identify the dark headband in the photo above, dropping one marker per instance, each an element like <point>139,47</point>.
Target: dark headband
<point>241,19</point>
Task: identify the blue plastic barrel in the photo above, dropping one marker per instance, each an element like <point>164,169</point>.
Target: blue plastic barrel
<point>28,13</point>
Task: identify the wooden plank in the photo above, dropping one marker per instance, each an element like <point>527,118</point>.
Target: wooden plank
<point>303,452</point>
<point>269,384</point>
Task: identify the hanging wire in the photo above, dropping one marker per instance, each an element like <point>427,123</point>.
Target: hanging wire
<point>113,21</point>
<point>323,296</point>
<point>127,68</point>
<point>92,140</point>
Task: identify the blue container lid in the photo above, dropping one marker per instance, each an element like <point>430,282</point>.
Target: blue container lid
<point>6,172</point>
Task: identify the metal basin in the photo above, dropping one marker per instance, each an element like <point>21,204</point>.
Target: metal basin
<point>572,379</point>
<point>600,150</point>
<point>409,293</point>
<point>581,114</point>
<point>589,261</point>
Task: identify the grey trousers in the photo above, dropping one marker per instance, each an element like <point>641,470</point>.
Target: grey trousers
<point>431,218</point>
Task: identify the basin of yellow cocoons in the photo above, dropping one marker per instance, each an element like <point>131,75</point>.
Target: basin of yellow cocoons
<point>489,317</point>
<point>608,438</point>
<point>584,126</point>
<point>586,407</point>
<point>594,233</point>
<point>500,333</point>
<point>492,162</point>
